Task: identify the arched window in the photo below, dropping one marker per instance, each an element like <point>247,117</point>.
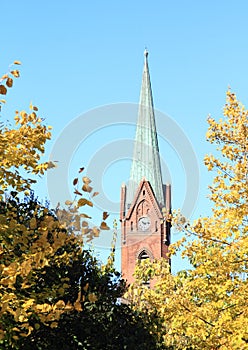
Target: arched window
<point>142,256</point>
<point>142,208</point>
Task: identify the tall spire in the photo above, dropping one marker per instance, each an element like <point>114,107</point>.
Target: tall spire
<point>146,161</point>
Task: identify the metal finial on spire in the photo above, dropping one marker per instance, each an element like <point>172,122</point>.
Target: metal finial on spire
<point>146,52</point>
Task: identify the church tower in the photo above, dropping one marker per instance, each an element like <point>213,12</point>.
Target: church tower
<point>145,199</point>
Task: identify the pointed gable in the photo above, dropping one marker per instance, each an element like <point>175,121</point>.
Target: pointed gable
<point>144,193</point>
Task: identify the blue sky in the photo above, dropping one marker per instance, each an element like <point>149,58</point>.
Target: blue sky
<point>80,55</point>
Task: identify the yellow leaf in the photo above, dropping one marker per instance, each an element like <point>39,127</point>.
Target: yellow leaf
<point>85,216</point>
<point>84,201</point>
<point>86,180</point>
<point>105,215</point>
<point>87,188</point>
<point>92,297</point>
<point>78,306</point>
<point>51,165</point>
<point>85,230</point>
<point>2,334</point>
<point>22,318</point>
<point>3,90</point>
<point>86,287</point>
<point>9,82</point>
<point>95,230</point>
<point>17,62</point>
<point>60,304</point>
<point>15,73</point>
<point>15,329</point>
<point>75,181</point>
<point>77,193</point>
<point>28,303</point>
<point>54,324</point>
<point>33,224</point>
<point>104,226</point>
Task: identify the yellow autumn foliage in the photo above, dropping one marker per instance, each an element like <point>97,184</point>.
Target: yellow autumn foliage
<point>206,307</point>
<point>27,245</point>
<point>34,241</point>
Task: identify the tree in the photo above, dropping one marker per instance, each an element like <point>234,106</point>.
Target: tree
<point>206,307</point>
<point>32,240</point>
<point>66,299</point>
<point>36,254</point>
<point>24,242</point>
<point>100,322</point>
<point>22,146</point>
<point>54,294</point>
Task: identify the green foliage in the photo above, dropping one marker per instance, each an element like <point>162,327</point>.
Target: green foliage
<point>104,324</point>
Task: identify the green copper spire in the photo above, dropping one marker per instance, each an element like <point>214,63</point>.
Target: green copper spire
<point>146,161</point>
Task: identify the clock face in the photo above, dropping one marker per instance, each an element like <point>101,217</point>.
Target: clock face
<point>144,223</point>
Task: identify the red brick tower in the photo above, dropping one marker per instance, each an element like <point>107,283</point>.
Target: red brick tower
<point>145,232</point>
